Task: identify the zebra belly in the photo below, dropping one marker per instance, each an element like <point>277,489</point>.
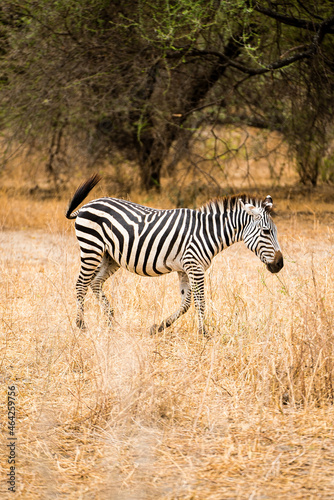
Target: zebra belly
<point>146,263</point>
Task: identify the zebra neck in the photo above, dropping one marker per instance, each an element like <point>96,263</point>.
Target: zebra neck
<point>230,229</point>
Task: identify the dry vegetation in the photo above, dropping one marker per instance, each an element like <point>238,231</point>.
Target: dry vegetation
<point>118,414</point>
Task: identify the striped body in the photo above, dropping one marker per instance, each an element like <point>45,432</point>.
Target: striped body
<point>147,241</point>
<point>115,233</point>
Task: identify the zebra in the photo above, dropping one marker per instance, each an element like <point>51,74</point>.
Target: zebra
<point>114,233</point>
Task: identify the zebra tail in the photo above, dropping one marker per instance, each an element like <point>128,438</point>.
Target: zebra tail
<point>81,194</point>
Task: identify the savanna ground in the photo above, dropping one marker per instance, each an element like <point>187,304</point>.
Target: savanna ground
<point>114,413</point>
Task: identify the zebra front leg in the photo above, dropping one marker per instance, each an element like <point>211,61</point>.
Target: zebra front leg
<point>185,292</point>
<point>196,278</point>
<point>107,268</point>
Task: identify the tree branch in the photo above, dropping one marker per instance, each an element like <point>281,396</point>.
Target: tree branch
<point>323,29</point>
<point>290,21</point>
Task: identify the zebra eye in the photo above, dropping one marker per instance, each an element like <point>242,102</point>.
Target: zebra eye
<point>266,231</point>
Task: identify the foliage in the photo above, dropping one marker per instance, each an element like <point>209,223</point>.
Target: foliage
<point>140,77</point>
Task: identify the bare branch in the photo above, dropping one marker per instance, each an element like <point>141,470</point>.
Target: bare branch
<point>291,21</point>
<point>324,28</point>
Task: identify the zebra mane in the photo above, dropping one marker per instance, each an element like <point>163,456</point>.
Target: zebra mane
<point>228,203</point>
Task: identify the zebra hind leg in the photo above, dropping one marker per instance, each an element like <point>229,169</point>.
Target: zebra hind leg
<point>185,291</point>
<point>107,268</point>
<point>89,263</point>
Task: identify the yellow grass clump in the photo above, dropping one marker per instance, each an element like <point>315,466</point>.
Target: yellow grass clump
<point>114,413</point>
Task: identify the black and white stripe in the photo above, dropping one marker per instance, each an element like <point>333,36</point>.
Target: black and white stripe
<point>115,233</point>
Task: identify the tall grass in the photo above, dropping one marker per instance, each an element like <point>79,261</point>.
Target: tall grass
<point>117,413</point>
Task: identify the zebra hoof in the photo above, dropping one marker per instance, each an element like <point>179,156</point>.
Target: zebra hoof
<point>157,328</point>
<point>81,324</point>
<point>154,329</point>
<point>205,333</point>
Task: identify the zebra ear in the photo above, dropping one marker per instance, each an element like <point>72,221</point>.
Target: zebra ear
<point>250,209</point>
<point>268,203</point>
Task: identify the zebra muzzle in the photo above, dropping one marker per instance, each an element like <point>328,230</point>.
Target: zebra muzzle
<point>277,264</point>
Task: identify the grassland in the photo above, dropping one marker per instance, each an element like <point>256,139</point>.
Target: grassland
<point>114,413</point>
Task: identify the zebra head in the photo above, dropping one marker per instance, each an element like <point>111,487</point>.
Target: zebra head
<point>260,234</point>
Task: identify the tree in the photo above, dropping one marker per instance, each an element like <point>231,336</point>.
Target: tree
<point>131,76</point>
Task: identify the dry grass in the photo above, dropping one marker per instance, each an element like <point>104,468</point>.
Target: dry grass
<point>117,414</point>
